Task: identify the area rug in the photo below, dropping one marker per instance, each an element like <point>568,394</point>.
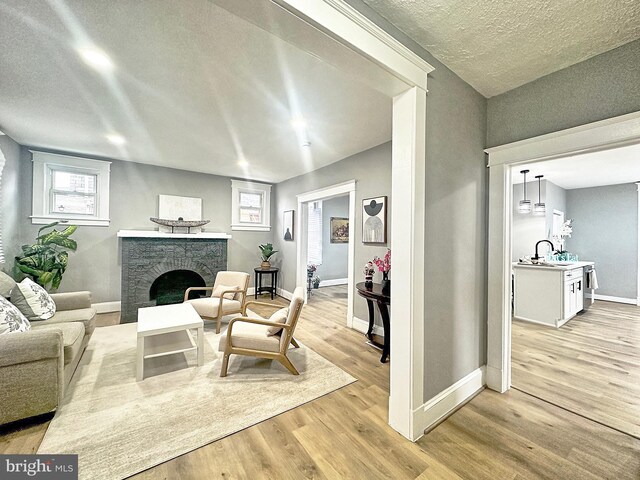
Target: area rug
<point>120,427</point>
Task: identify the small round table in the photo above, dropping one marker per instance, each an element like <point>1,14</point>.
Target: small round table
<point>259,288</point>
<point>375,294</point>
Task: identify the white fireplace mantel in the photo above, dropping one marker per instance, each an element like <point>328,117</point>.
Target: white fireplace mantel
<point>157,234</point>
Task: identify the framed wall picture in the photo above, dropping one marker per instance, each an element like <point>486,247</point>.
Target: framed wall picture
<point>339,230</point>
<point>374,220</point>
<point>287,225</point>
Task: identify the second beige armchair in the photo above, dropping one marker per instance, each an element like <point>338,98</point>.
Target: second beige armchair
<point>228,295</point>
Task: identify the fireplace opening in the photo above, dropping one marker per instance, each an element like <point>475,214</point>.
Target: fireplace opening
<point>169,287</point>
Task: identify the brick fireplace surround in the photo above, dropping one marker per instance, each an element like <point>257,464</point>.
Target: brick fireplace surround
<point>148,254</point>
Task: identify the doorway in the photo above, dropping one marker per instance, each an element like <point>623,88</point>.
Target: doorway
<point>328,251</point>
<point>583,363</point>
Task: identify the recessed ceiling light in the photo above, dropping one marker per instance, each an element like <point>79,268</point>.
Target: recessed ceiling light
<point>243,163</point>
<point>298,123</point>
<point>96,58</point>
<point>306,144</point>
<point>116,139</point>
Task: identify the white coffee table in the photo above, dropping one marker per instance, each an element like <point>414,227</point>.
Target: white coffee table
<point>165,330</point>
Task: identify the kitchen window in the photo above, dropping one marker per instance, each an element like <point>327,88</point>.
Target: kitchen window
<point>70,190</point>
<point>250,206</point>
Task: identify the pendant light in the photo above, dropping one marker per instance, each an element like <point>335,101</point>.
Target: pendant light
<point>525,205</point>
<point>539,208</point>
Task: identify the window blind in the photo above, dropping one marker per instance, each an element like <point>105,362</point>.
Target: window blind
<point>314,239</point>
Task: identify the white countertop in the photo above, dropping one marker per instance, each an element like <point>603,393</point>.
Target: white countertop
<point>157,234</point>
<point>556,265</point>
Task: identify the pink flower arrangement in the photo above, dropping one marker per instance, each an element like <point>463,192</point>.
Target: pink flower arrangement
<point>384,265</point>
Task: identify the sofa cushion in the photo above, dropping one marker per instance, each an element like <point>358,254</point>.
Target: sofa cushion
<point>33,300</point>
<point>87,316</point>
<point>217,291</point>
<point>208,306</point>
<point>279,317</point>
<point>251,336</point>
<point>11,319</point>
<point>72,335</point>
<point>6,284</point>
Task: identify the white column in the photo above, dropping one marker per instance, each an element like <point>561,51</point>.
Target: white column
<point>408,247</point>
<point>499,287</point>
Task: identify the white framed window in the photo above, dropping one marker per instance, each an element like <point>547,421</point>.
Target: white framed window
<point>314,232</point>
<point>250,206</point>
<point>70,190</point>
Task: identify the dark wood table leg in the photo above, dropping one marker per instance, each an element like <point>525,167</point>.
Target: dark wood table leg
<point>369,333</point>
<point>384,312</point>
<point>273,282</point>
<point>255,284</point>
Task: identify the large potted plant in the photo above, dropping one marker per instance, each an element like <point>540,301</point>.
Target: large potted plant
<point>266,252</point>
<point>46,260</point>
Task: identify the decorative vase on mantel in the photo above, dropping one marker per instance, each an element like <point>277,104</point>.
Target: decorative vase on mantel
<point>386,283</point>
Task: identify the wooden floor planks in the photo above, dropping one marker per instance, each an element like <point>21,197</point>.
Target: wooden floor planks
<point>590,366</point>
<point>345,434</point>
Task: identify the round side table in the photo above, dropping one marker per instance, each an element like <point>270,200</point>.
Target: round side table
<point>259,287</point>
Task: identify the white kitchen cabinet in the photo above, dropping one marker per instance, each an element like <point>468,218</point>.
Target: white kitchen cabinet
<point>548,295</point>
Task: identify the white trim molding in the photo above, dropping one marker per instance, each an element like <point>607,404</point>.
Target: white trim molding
<point>340,20</point>
<point>430,414</point>
<point>610,298</point>
<point>363,326</point>
<point>344,188</point>
<point>333,282</point>
<point>602,135</point>
<point>638,256</point>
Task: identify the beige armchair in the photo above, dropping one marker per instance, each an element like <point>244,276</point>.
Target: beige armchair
<point>251,336</point>
<point>226,302</point>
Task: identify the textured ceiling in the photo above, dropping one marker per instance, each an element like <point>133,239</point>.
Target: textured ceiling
<point>193,87</point>
<point>607,167</point>
<point>497,45</point>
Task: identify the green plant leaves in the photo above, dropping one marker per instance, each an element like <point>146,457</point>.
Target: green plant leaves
<point>46,260</point>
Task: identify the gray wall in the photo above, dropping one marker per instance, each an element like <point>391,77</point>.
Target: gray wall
<point>456,219</point>
<point>601,87</point>
<point>10,226</point>
<point>372,171</point>
<point>556,199</point>
<point>605,231</point>
<point>527,229</point>
<point>133,199</point>
<point>335,256</point>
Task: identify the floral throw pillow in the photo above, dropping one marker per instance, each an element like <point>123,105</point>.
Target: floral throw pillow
<point>11,320</point>
<point>33,301</point>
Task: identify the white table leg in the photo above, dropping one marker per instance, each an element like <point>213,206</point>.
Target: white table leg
<point>140,360</point>
<point>200,346</point>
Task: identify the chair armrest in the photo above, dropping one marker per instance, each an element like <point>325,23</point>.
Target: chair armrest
<point>195,289</point>
<point>71,300</point>
<point>263,304</point>
<point>257,321</point>
<point>30,346</point>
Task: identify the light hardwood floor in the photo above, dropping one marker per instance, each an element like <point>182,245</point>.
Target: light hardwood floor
<point>591,365</point>
<point>345,434</point>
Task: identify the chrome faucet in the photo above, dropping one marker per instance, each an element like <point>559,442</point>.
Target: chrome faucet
<point>537,257</point>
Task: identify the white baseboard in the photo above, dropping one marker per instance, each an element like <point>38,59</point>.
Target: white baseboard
<point>335,281</point>
<point>493,377</point>
<point>609,298</point>
<point>363,325</point>
<point>443,404</point>
<point>107,307</point>
<point>285,293</point>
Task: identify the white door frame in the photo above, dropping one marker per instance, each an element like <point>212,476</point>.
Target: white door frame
<point>302,226</point>
<point>350,28</point>
<point>603,135</point>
